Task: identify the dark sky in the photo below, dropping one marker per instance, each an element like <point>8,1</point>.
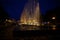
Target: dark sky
<point>15,7</point>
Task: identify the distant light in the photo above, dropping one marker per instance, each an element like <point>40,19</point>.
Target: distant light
<point>54,27</point>
<point>42,24</point>
<point>6,19</point>
<point>48,22</point>
<point>9,20</point>
<point>53,18</point>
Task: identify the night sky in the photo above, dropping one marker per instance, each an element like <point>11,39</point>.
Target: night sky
<point>15,7</point>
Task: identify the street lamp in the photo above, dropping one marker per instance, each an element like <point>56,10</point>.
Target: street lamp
<point>53,17</point>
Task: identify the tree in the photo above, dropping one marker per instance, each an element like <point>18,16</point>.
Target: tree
<point>53,13</point>
<point>3,15</point>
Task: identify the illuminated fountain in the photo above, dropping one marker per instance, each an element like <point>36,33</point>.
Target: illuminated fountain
<point>31,16</point>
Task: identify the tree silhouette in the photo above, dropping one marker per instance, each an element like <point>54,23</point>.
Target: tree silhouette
<point>53,13</point>
<point>3,15</point>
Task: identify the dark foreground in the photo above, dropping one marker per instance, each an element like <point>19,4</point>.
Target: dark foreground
<point>38,35</point>
<point>8,33</point>
<point>33,35</point>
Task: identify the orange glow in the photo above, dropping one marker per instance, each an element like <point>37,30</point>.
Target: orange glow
<point>54,27</point>
<point>30,22</point>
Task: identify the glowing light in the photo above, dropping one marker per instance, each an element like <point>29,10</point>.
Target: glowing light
<point>31,23</point>
<point>34,20</point>
<point>9,20</point>
<point>42,24</point>
<point>6,20</point>
<point>54,27</point>
<point>48,22</point>
<point>31,14</point>
<point>38,24</point>
<point>53,18</point>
